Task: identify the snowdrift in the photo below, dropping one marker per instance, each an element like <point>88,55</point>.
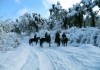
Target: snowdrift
<point>87,35</point>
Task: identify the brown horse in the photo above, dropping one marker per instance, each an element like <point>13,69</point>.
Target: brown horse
<point>33,40</point>
<point>46,39</point>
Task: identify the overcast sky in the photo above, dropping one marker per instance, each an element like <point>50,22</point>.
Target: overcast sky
<point>15,8</point>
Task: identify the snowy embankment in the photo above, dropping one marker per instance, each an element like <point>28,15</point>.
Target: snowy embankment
<point>79,36</point>
<point>85,57</point>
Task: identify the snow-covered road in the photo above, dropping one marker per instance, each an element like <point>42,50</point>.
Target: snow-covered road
<point>27,57</point>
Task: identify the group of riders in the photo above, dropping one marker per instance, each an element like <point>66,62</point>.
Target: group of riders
<point>47,39</point>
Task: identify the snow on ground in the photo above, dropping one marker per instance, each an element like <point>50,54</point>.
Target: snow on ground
<point>26,57</point>
<point>13,60</point>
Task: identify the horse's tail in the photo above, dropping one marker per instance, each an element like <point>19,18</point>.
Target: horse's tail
<point>29,41</point>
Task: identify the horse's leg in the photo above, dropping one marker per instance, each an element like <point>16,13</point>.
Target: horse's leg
<point>36,42</point>
<point>32,43</point>
<point>41,43</point>
<point>49,44</point>
<point>66,43</point>
<point>58,44</point>
<point>29,43</point>
<point>62,42</point>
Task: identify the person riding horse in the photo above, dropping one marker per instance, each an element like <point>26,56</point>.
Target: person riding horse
<point>35,39</point>
<point>47,39</point>
<point>57,39</point>
<point>64,39</point>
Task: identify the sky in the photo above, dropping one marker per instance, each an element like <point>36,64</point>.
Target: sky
<point>12,9</point>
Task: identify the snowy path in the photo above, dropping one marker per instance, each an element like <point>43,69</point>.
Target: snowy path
<point>32,62</point>
<point>44,61</point>
<point>51,58</point>
<point>13,60</point>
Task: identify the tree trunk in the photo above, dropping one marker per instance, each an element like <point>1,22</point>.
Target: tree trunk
<point>93,18</point>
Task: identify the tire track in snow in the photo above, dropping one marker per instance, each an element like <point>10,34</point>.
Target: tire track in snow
<point>32,61</point>
<point>57,60</point>
<point>44,62</point>
<point>15,60</point>
<point>62,61</point>
<point>49,58</point>
<point>72,56</point>
<point>83,58</point>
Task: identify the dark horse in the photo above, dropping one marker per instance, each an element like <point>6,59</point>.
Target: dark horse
<point>64,41</point>
<point>46,39</point>
<point>57,39</point>
<point>33,40</point>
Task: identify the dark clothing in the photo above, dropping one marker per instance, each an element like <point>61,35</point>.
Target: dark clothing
<point>57,39</point>
<point>63,35</point>
<point>64,39</point>
<point>35,36</point>
<point>46,34</point>
<point>47,38</point>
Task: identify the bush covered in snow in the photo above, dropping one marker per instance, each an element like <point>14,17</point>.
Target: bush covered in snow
<point>87,35</point>
<point>8,40</point>
<point>7,25</point>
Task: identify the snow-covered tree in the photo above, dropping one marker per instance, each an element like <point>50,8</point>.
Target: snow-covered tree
<point>57,17</point>
<point>97,2</point>
<point>7,25</point>
<point>75,15</point>
<point>29,23</point>
<point>88,5</point>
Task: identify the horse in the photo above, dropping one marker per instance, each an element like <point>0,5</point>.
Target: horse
<point>64,41</point>
<point>57,39</point>
<point>46,39</point>
<point>33,40</point>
